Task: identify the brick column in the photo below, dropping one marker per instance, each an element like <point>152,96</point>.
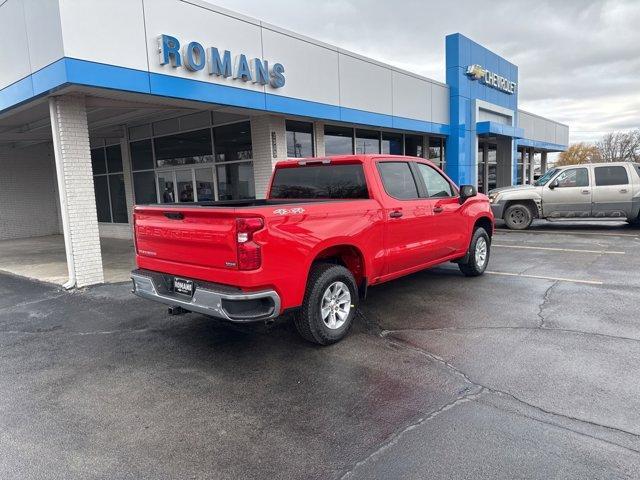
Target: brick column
<point>318,139</point>
<point>75,184</point>
<point>269,141</point>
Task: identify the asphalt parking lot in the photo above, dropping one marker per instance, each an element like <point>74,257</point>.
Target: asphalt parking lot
<point>531,371</point>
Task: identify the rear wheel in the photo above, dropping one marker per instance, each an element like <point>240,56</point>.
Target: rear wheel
<point>518,216</point>
<point>329,305</point>
<point>478,256</point>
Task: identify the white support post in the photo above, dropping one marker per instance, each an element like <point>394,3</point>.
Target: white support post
<point>269,141</point>
<point>75,186</point>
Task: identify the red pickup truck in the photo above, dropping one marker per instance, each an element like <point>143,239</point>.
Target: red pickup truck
<point>329,228</point>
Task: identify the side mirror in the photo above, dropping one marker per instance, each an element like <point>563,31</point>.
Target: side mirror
<point>466,192</point>
<point>554,184</point>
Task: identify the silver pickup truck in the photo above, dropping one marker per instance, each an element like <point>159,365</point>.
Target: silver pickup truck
<point>598,190</point>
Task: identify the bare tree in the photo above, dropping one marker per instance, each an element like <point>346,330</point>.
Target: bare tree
<point>620,146</point>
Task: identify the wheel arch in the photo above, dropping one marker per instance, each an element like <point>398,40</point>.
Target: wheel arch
<point>534,205</point>
<point>485,222</point>
<point>348,255</point>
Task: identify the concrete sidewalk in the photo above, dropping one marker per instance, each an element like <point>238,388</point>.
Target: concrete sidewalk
<point>44,259</point>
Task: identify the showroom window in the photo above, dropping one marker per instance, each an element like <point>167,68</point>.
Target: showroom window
<point>206,164</point>
<point>233,142</point>
<point>108,181</point>
<point>413,145</point>
<point>346,140</point>
<point>299,139</point>
<point>367,142</point>
<point>338,140</point>
<point>392,143</point>
<point>436,151</point>
<point>183,149</point>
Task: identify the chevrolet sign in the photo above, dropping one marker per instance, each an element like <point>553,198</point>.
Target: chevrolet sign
<point>477,72</point>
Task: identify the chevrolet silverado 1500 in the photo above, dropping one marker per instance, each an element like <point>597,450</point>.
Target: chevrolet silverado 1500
<point>328,229</point>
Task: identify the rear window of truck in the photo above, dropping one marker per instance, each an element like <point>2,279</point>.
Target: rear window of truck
<point>344,181</point>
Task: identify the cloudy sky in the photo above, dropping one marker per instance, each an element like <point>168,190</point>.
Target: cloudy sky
<point>579,60</point>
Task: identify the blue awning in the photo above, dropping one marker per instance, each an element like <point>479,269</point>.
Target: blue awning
<point>495,128</point>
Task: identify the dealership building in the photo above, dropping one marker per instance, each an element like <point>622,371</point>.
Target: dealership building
<point>105,104</point>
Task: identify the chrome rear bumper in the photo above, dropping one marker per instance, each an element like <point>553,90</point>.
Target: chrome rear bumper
<point>208,299</point>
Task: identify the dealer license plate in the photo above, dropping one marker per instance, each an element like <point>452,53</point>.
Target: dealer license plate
<point>185,287</point>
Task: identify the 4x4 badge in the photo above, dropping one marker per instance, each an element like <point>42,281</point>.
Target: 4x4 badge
<point>288,211</point>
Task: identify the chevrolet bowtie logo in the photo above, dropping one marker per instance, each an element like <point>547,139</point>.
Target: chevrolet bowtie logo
<point>491,79</point>
<point>476,71</point>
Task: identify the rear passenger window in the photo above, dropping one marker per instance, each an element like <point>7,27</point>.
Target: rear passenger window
<point>398,180</point>
<point>614,175</point>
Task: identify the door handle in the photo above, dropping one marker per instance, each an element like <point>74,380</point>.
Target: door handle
<point>437,209</point>
<point>623,190</point>
<point>395,214</point>
<point>586,192</point>
<point>174,215</point>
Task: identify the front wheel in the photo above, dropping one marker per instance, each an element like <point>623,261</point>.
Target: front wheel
<point>478,256</point>
<point>329,305</point>
<point>518,217</point>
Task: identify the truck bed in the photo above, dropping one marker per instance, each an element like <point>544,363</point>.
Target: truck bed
<point>244,203</point>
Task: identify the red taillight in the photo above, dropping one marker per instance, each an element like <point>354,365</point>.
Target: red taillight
<point>249,254</point>
<point>135,234</point>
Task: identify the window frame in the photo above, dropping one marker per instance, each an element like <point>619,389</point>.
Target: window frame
<point>292,122</point>
<point>352,137</point>
<point>564,170</point>
<point>194,166</point>
<point>595,176</point>
<point>107,175</point>
<point>418,185</point>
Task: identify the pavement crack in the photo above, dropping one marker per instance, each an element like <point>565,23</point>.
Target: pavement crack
<point>396,436</point>
<point>34,302</point>
<point>550,329</point>
<point>562,427</point>
<point>460,373</point>
<point>542,306</point>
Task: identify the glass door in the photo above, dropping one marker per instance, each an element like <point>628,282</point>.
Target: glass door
<point>166,187</point>
<point>205,189</point>
<point>184,183</point>
<point>481,169</point>
<point>187,185</point>
<point>492,167</point>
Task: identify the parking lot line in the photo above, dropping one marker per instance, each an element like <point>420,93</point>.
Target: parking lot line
<point>568,232</point>
<point>541,277</point>
<point>552,249</point>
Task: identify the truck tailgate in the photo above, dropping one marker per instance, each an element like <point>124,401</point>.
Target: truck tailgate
<point>203,237</point>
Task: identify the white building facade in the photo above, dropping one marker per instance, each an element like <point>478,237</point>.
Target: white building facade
<point>105,104</point>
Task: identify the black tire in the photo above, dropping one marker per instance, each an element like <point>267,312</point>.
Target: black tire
<point>472,267</point>
<point>308,320</point>
<point>518,216</point>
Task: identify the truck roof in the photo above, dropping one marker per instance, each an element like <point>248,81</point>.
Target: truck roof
<point>609,164</point>
<point>345,158</point>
